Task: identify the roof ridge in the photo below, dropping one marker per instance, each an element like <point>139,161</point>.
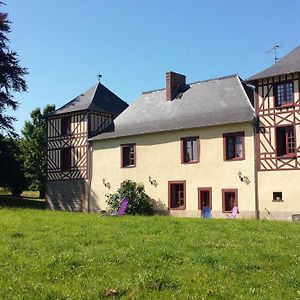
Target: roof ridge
<point>94,93</point>
<point>151,91</point>
<point>215,79</point>
<point>240,81</point>
<point>195,82</point>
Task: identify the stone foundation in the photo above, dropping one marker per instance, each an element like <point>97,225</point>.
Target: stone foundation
<point>66,195</point>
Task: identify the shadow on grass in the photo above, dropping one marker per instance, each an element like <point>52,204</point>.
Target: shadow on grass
<point>22,202</point>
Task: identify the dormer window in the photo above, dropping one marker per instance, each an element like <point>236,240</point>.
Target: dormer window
<point>284,94</point>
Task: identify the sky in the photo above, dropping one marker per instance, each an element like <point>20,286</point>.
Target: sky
<point>133,43</point>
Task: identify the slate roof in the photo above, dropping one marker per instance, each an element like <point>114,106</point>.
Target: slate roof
<point>212,102</point>
<point>97,98</point>
<point>288,64</point>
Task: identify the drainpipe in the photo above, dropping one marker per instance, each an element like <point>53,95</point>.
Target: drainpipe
<point>90,173</point>
<point>255,126</point>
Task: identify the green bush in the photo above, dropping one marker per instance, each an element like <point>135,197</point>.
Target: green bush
<point>139,202</point>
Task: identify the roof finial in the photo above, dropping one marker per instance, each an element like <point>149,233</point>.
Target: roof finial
<point>99,77</point>
<point>274,48</point>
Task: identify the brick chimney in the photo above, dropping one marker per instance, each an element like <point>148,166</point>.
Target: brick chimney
<point>175,84</point>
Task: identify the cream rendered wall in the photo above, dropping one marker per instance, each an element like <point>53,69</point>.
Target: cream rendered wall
<point>286,182</point>
<point>159,156</point>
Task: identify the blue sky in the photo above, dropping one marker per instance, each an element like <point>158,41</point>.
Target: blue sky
<point>132,43</point>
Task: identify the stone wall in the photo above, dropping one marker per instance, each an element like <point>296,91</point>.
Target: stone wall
<point>66,195</point>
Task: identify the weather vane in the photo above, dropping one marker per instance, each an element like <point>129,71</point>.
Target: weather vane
<point>99,77</point>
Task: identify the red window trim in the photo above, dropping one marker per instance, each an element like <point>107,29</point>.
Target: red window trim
<point>275,94</point>
<point>235,134</point>
<point>169,194</point>
<point>287,155</point>
<point>285,106</point>
<point>122,146</point>
<point>200,189</point>
<point>185,139</point>
<point>223,198</point>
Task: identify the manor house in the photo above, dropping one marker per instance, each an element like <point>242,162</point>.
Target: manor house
<point>214,143</point>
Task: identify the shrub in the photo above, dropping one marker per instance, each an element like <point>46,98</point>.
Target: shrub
<point>139,202</point>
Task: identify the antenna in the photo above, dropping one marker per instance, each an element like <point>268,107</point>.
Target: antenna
<point>274,48</point>
<point>99,77</point>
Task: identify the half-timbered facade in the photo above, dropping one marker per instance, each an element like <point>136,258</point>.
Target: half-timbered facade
<point>277,107</point>
<point>68,149</point>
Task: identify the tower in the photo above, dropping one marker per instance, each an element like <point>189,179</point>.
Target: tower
<point>69,129</point>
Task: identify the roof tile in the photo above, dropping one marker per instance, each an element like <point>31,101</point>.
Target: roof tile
<point>97,98</point>
<point>212,102</point>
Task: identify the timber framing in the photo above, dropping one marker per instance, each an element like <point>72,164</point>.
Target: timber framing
<point>271,117</point>
<point>83,124</point>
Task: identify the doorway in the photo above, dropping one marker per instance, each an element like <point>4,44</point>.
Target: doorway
<point>204,199</point>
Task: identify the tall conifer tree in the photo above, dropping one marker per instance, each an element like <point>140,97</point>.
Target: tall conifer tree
<point>11,77</point>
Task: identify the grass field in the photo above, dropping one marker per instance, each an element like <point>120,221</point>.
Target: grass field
<point>58,255</point>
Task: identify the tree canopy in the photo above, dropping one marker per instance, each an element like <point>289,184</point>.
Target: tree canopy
<point>11,77</point>
<point>33,149</point>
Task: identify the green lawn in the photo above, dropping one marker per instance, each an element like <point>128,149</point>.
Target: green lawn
<point>58,255</point>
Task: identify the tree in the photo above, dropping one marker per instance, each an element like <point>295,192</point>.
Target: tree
<point>11,171</point>
<point>11,77</point>
<point>33,149</point>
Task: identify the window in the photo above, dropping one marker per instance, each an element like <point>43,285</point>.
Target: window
<point>65,159</point>
<point>128,156</point>
<point>285,141</point>
<point>190,150</point>
<point>177,194</point>
<point>284,93</point>
<point>65,125</point>
<point>277,196</point>
<point>204,198</point>
<point>234,146</point>
<point>229,199</point>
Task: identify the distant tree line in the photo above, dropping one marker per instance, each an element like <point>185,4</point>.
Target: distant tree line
<point>11,167</point>
<point>23,159</point>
